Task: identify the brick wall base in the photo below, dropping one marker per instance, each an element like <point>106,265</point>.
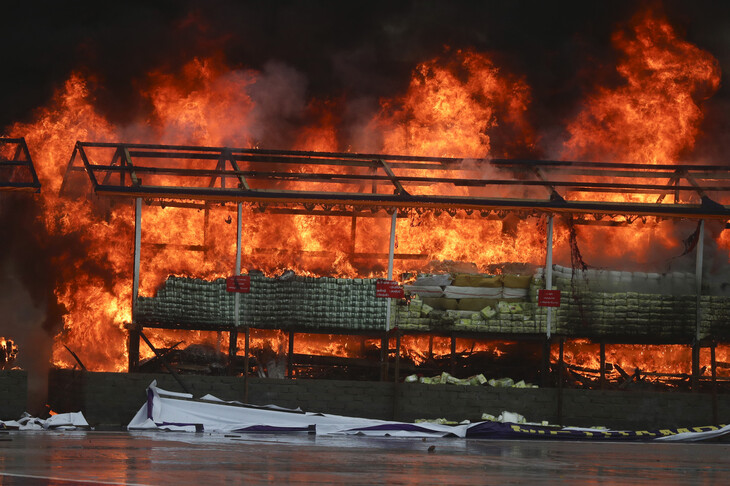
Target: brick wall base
<point>13,394</point>
<point>114,398</point>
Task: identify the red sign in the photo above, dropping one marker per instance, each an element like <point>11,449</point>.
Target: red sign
<point>388,289</point>
<point>548,298</point>
<point>239,283</point>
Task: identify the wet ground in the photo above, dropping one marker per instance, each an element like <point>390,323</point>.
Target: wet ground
<point>68,458</point>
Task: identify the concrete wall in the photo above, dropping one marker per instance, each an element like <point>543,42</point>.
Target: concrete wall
<point>112,398</point>
<point>13,394</point>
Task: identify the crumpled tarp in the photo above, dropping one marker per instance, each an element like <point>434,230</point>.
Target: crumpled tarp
<point>60,421</point>
<point>178,411</point>
<point>165,410</point>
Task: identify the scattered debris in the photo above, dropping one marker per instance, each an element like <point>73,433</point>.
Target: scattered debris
<point>60,421</point>
<point>476,380</point>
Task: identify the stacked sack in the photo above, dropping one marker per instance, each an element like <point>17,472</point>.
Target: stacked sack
<point>715,316</point>
<point>309,302</point>
<point>602,303</point>
<point>469,302</point>
<point>316,303</point>
<point>183,300</point>
<point>614,281</point>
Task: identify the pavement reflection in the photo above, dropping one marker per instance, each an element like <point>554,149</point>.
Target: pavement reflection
<point>73,457</point>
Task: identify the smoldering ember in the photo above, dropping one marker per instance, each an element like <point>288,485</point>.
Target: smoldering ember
<point>407,213</point>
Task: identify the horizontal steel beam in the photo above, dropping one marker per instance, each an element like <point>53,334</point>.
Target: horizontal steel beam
<point>271,185</point>
<point>706,210</point>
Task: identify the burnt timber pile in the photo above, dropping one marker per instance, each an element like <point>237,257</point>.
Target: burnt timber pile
<point>606,306</point>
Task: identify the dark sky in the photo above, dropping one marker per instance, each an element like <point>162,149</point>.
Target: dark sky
<point>351,48</point>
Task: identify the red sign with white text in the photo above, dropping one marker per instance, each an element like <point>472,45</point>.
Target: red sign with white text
<point>548,298</point>
<point>239,283</point>
<point>388,289</point>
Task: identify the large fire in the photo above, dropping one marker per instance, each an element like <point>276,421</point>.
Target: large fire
<point>8,352</point>
<point>460,104</point>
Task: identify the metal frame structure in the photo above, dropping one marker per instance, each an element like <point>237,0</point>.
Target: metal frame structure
<point>17,172</point>
<point>347,184</point>
<point>273,179</point>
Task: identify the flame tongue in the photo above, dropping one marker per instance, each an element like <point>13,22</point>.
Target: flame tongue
<point>8,352</point>
<point>654,115</point>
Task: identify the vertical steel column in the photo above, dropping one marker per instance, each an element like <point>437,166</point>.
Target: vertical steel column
<point>391,255</point>
<point>237,300</point>
<point>396,380</point>
<point>237,270</point>
<point>698,276</point>
<point>549,310</point>
<point>137,249</point>
<point>453,355</point>
<point>353,234</point>
<point>560,381</point>
<point>713,367</point>
<point>289,364</point>
<point>603,365</point>
<point>232,349</point>
<point>233,342</point>
<point>133,347</point>
<point>385,345</point>
<point>246,349</point>
<point>549,271</point>
<point>698,317</point>
<point>134,331</point>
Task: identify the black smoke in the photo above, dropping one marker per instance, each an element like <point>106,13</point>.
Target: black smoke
<point>358,50</point>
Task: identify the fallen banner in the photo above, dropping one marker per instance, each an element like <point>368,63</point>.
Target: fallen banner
<point>165,410</point>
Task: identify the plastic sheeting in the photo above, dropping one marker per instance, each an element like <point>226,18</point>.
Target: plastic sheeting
<point>179,411</point>
<point>60,421</point>
<point>165,410</point>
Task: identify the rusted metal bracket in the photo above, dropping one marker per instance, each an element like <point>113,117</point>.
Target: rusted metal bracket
<point>17,172</point>
<point>398,186</point>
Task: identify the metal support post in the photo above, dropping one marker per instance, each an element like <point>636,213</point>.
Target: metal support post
<point>713,367</point>
<point>289,364</point>
<point>396,380</point>
<point>698,276</point>
<point>549,310</point>
<point>546,362</point>
<point>397,356</point>
<point>353,234</point>
<point>603,365</point>
<point>134,329</point>
<point>233,347</point>
<point>698,318</point>
<point>133,347</point>
<point>137,250</point>
<point>391,254</point>
<point>560,381</point>
<point>549,271</point>
<point>384,350</point>
<point>453,355</point>
<point>246,347</point>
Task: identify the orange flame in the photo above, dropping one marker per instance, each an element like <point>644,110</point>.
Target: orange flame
<point>460,104</point>
<point>654,115</point>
